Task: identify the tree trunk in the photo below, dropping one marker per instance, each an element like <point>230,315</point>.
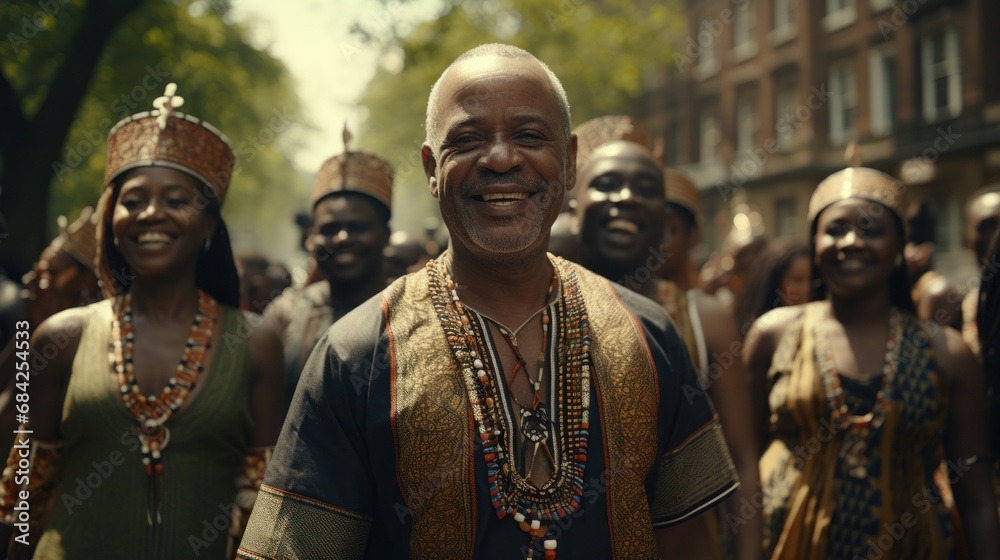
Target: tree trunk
<point>30,148</point>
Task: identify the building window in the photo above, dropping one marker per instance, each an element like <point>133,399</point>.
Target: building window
<point>784,28</point>
<point>673,143</point>
<point>709,135</point>
<point>879,5</point>
<point>708,61</point>
<point>746,124</point>
<point>839,14</point>
<point>744,23</point>
<point>942,79</point>
<point>785,219</point>
<point>882,77</point>
<point>786,121</point>
<point>843,102</point>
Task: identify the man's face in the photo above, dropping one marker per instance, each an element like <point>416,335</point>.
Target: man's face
<point>348,238</point>
<point>981,222</point>
<point>622,205</point>
<point>677,242</point>
<point>502,162</point>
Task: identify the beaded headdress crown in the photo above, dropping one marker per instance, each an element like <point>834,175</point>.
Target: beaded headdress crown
<point>354,172</point>
<point>167,138</point>
<point>859,182</point>
<point>596,132</point>
<point>682,192</point>
<point>79,239</point>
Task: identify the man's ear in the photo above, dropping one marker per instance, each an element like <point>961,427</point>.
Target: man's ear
<point>571,161</point>
<point>430,168</point>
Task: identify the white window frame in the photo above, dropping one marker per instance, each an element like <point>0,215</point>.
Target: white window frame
<point>785,110</point>
<point>709,135</point>
<point>880,5</point>
<point>951,67</point>
<point>843,96</point>
<point>839,16</point>
<point>786,30</point>
<point>744,26</point>
<point>746,123</point>
<point>881,92</point>
<point>707,66</point>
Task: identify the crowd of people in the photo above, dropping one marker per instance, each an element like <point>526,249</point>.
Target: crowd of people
<point>560,379</point>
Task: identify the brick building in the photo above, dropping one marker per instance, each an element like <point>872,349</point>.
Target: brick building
<point>764,95</point>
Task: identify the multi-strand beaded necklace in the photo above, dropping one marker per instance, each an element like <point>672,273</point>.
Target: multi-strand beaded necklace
<point>858,429</point>
<point>512,494</point>
<point>152,412</point>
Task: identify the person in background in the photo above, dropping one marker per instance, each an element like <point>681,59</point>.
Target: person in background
<point>622,206</point>
<point>261,281</point>
<point>988,327</point>
<point>933,295</point>
<point>982,221</point>
<point>351,202</point>
<point>866,401</point>
<point>162,390</point>
<point>781,277</point>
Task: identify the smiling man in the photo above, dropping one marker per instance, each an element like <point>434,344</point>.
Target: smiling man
<point>500,403</point>
<point>350,229</point>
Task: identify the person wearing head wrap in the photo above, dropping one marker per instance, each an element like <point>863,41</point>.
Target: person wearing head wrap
<point>622,207</point>
<point>866,401</point>
<point>351,203</point>
<point>155,415</point>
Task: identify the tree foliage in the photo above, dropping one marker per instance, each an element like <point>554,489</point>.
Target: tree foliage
<point>602,50</point>
<point>239,88</point>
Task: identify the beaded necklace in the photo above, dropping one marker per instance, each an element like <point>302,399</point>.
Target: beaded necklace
<point>857,429</point>
<point>510,493</point>
<point>152,412</point>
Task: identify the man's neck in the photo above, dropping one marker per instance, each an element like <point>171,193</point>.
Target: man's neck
<point>353,295</point>
<point>637,278</point>
<point>509,292</point>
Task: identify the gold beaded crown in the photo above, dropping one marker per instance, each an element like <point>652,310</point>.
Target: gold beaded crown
<point>167,138</point>
<point>859,182</point>
<point>355,172</point>
<point>599,131</point>
<point>79,239</point>
<point>682,192</point>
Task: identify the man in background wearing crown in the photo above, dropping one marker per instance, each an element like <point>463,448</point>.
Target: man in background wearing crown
<point>623,206</point>
<point>351,203</point>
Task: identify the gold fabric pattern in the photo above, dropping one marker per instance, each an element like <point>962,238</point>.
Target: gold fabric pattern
<point>682,482</point>
<point>628,393</point>
<point>287,526</point>
<point>432,423</point>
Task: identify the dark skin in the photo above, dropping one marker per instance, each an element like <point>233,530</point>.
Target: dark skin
<point>621,206</point>
<point>501,135</point>
<point>856,256</point>
<point>347,240</point>
<point>627,173</point>
<point>164,302</point>
<point>982,219</point>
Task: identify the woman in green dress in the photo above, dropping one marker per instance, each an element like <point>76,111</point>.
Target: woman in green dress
<point>153,411</point>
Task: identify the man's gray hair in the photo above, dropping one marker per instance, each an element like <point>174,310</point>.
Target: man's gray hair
<point>501,50</point>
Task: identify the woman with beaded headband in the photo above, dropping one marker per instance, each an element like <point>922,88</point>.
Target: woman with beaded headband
<point>865,401</point>
<point>137,455</point>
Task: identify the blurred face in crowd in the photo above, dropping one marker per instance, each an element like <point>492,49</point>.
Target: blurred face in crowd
<point>982,219</point>
<point>160,221</point>
<point>857,244</point>
<point>621,204</point>
<point>679,236</point>
<point>795,282</point>
<point>503,162</point>
<point>349,236</point>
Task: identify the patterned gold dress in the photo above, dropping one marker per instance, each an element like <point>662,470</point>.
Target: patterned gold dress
<point>816,506</point>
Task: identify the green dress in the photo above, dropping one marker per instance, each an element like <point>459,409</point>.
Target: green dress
<point>99,509</point>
